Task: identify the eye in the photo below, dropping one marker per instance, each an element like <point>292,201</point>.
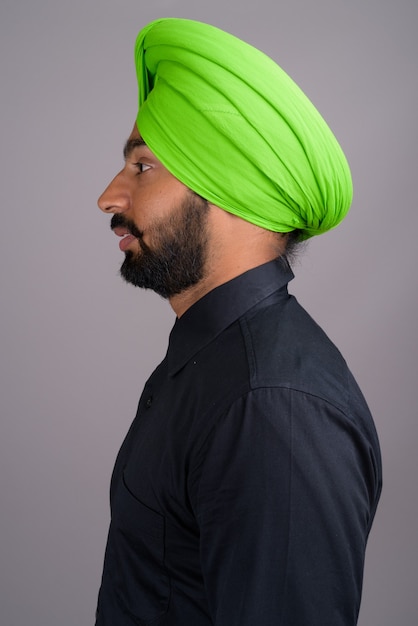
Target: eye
<point>142,167</point>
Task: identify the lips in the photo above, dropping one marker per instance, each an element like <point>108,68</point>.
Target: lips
<point>126,242</point>
<point>127,237</point>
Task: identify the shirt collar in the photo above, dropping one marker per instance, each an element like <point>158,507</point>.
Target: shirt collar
<point>222,306</point>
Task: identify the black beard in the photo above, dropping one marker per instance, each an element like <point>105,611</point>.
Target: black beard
<point>178,256</point>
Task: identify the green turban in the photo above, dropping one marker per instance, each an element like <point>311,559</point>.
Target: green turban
<point>230,124</point>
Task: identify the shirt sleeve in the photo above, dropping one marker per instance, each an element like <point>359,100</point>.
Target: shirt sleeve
<point>284,505</point>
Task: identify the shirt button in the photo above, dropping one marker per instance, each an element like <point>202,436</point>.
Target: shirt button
<point>148,403</point>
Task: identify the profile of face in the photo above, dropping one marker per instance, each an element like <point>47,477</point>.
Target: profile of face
<point>163,225</point>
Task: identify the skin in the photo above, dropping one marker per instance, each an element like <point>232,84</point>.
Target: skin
<point>146,192</point>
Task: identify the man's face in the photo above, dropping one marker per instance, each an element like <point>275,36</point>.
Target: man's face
<point>162,223</point>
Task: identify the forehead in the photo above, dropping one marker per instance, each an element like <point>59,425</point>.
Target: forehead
<point>134,141</point>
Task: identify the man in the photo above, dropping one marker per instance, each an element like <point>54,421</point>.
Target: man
<point>246,487</point>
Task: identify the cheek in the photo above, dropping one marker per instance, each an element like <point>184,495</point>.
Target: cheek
<point>156,197</point>
<point>165,201</point>
<point>171,193</point>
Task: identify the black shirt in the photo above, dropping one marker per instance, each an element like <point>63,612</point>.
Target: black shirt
<point>245,489</point>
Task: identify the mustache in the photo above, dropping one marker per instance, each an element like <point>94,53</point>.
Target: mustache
<point>119,220</point>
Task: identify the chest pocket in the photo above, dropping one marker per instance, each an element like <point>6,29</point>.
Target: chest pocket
<point>141,584</point>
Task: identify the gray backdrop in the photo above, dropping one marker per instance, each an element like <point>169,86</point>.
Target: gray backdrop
<point>77,344</point>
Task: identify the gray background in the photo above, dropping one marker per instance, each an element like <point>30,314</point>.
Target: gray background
<point>77,343</point>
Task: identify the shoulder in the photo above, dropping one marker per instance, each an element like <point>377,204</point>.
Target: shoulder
<point>286,348</point>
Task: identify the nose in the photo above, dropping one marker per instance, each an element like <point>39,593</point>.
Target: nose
<point>115,198</point>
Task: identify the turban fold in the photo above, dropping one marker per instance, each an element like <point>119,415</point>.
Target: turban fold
<point>232,126</point>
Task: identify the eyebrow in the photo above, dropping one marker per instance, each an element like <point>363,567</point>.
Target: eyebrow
<point>130,146</point>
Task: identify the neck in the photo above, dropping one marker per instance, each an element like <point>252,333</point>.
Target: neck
<point>234,247</point>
